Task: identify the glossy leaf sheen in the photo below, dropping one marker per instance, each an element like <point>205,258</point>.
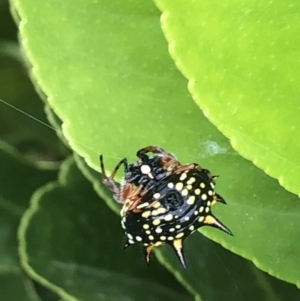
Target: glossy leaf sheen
<point>107,74</point>
<point>242,62</point>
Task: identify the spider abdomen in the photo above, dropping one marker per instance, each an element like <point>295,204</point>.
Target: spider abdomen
<point>176,207</point>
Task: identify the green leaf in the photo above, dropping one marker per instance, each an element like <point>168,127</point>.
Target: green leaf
<point>16,286</point>
<point>105,69</point>
<point>242,63</point>
<point>94,178</point>
<point>92,87</point>
<point>16,91</point>
<point>223,274</point>
<point>16,95</point>
<point>215,273</point>
<point>18,180</point>
<point>72,243</point>
<point>9,31</point>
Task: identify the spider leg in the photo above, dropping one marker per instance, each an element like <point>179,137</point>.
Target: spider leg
<point>109,181</point>
<point>155,150</point>
<point>187,167</point>
<point>130,197</point>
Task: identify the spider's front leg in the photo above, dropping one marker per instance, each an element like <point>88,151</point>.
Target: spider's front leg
<point>142,153</point>
<point>110,181</point>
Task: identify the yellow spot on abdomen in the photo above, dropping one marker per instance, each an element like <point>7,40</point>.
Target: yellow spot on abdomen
<point>156,222</point>
<point>156,195</point>
<point>204,196</point>
<point>158,230</point>
<point>169,217</point>
<point>183,176</point>
<point>197,191</point>
<point>201,219</point>
<point>184,192</point>
<point>158,211</point>
<point>191,200</point>
<point>156,205</point>
<point>191,181</point>
<point>171,185</point>
<point>179,186</point>
<point>146,214</point>
<point>192,228</point>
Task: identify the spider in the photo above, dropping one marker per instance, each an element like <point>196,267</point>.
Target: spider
<point>163,200</point>
<point>139,176</point>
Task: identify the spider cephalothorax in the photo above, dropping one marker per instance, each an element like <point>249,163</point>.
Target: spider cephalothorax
<point>148,170</point>
<point>168,205</point>
<point>139,176</point>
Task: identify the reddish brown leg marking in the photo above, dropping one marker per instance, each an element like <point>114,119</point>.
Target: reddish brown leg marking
<point>185,167</point>
<point>134,196</point>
